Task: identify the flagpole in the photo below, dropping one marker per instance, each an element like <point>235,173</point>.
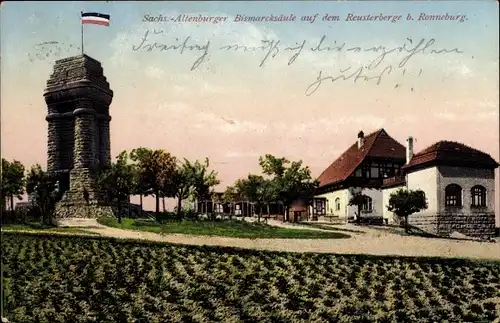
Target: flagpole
<point>81,22</point>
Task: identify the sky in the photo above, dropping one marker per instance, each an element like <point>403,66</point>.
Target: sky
<point>231,108</point>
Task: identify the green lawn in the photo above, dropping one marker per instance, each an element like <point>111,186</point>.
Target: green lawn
<point>43,228</point>
<point>331,228</point>
<point>224,228</point>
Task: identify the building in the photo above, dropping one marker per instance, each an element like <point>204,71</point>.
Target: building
<point>458,181</point>
<point>459,185</point>
<point>363,166</point>
<point>216,204</point>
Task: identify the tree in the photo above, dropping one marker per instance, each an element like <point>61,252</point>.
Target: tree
<point>291,180</point>
<point>357,199</point>
<point>13,181</point>
<point>140,156</point>
<point>216,200</point>
<point>179,184</point>
<point>118,181</point>
<point>201,179</point>
<point>405,202</point>
<point>256,189</point>
<point>43,189</point>
<point>268,194</point>
<point>242,188</point>
<point>157,170</point>
<point>229,196</point>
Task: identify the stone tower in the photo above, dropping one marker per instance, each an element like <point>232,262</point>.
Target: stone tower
<point>78,98</point>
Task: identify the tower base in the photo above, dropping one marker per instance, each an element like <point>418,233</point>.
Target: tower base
<point>73,206</point>
<point>82,210</point>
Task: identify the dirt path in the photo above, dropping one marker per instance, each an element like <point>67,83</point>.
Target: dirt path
<point>370,241</point>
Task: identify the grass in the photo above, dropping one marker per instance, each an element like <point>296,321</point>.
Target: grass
<point>37,227</point>
<point>55,278</point>
<point>329,227</point>
<point>224,228</point>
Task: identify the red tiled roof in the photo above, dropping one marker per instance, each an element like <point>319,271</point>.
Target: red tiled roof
<point>377,144</point>
<point>394,181</point>
<point>451,153</point>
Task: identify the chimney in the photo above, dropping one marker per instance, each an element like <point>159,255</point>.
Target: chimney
<point>409,149</point>
<point>361,139</point>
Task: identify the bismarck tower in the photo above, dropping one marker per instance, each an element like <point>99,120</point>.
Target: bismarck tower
<point>78,98</point>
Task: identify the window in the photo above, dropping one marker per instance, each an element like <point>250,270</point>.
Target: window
<point>478,193</point>
<point>319,207</point>
<point>453,195</point>
<point>366,171</point>
<point>337,204</point>
<point>219,208</point>
<point>389,170</point>
<point>367,205</point>
<point>381,170</point>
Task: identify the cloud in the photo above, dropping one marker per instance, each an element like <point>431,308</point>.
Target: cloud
<point>222,125</point>
<point>406,119</point>
<point>471,115</point>
<point>464,70</point>
<point>447,116</point>
<point>472,109</point>
<point>241,154</point>
<point>489,115</point>
<point>33,19</point>
<point>154,72</point>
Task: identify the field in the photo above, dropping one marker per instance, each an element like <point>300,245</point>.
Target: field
<point>36,227</point>
<point>223,228</point>
<point>72,279</point>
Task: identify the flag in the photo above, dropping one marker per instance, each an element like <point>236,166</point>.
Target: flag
<point>95,18</point>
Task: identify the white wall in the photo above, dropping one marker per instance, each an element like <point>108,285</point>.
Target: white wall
<point>349,211</point>
<point>467,178</point>
<point>330,204</point>
<point>427,181</point>
<point>377,203</point>
<point>386,194</point>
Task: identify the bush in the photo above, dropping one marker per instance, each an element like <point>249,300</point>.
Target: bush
<point>189,215</point>
<point>144,223</point>
<point>165,217</point>
<point>20,216</point>
<point>8,217</point>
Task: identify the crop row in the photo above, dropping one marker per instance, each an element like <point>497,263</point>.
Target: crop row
<point>59,279</point>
